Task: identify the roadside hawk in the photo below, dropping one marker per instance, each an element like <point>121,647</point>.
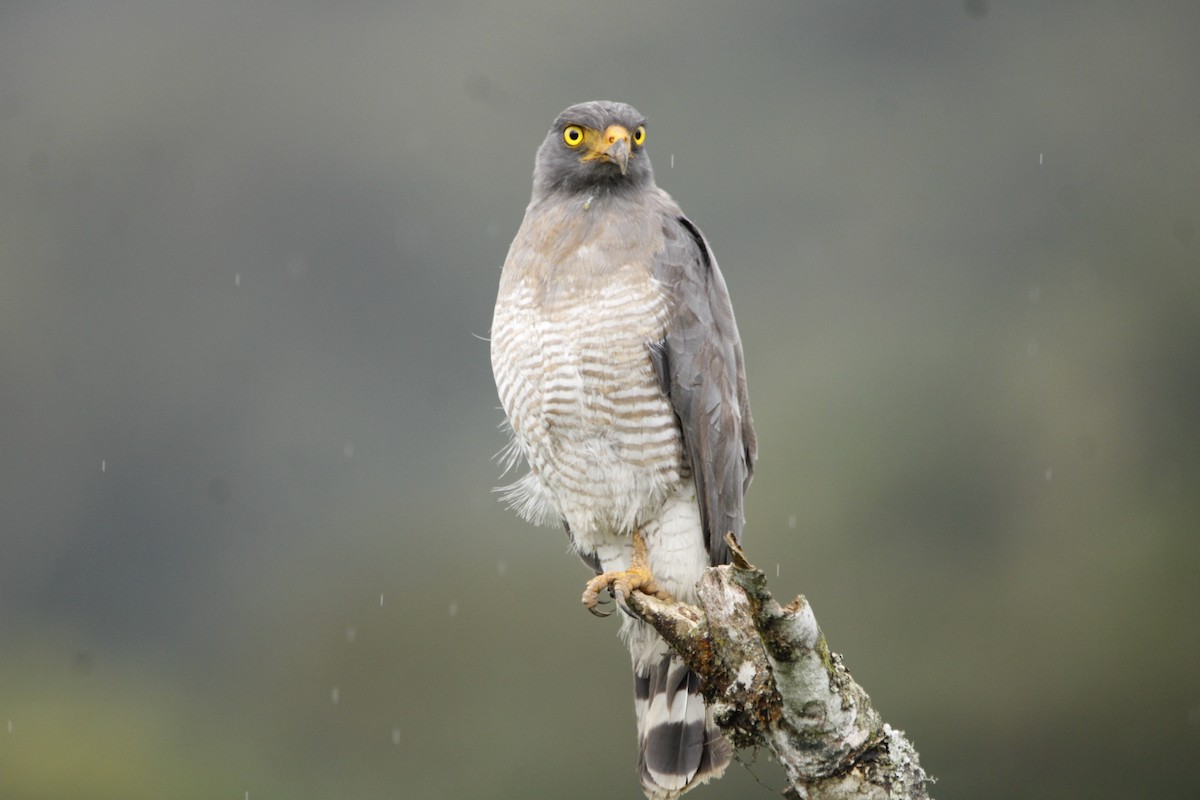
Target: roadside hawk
<point>619,366</point>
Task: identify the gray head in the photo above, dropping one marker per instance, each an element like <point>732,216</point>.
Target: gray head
<point>596,148</point>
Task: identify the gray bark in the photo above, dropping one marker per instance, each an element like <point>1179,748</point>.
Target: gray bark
<point>773,683</point>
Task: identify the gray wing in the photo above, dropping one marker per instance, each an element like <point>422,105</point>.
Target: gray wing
<point>700,366</point>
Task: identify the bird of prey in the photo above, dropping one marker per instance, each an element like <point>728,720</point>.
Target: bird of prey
<point>619,366</point>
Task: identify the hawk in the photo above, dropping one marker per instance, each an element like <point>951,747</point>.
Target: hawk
<point>619,366</point>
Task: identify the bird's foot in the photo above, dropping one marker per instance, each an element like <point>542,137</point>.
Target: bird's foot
<point>622,584</point>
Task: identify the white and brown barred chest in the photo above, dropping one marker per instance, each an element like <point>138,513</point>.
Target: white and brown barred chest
<point>573,369</point>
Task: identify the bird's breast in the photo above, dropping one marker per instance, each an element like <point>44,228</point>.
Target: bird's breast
<point>572,365</point>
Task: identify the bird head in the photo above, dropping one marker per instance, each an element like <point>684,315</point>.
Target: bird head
<point>594,146</point>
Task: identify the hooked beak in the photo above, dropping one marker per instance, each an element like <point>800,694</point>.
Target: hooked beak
<point>614,146</point>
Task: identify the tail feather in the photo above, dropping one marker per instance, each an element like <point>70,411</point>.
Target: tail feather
<point>679,744</point>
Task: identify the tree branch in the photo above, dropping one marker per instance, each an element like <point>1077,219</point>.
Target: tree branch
<point>774,683</point>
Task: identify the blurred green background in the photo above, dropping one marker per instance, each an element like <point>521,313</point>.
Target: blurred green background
<point>248,254</point>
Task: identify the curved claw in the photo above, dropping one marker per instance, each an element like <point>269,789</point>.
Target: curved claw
<point>620,585</point>
<point>598,610</point>
<point>591,595</point>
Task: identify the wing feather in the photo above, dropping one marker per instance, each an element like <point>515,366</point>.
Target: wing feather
<point>702,371</point>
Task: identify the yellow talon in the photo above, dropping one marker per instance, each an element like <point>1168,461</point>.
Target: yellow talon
<point>623,583</point>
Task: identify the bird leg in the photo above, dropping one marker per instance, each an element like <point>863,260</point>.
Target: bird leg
<point>623,583</point>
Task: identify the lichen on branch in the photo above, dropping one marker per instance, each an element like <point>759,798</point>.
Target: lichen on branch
<point>773,682</point>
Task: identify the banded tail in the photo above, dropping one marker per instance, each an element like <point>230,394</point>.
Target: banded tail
<point>679,744</point>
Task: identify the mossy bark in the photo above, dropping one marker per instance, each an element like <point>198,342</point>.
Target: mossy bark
<point>774,683</point>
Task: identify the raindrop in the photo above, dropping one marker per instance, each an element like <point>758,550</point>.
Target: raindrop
<point>501,568</point>
<point>1049,475</point>
<point>395,736</point>
<point>1035,294</point>
<point>237,279</point>
<point>672,161</point>
<point>351,633</point>
<point>10,726</point>
<point>1041,157</point>
<point>777,570</point>
<point>453,610</point>
<point>103,465</point>
<point>791,522</point>
<point>381,600</point>
<point>348,450</point>
<point>335,695</point>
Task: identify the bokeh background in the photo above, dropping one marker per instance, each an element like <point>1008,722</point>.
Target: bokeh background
<point>249,546</point>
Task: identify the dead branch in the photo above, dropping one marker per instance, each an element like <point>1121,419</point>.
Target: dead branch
<point>774,683</point>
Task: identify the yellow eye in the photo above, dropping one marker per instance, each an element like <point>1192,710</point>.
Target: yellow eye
<point>639,136</point>
<point>573,135</point>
